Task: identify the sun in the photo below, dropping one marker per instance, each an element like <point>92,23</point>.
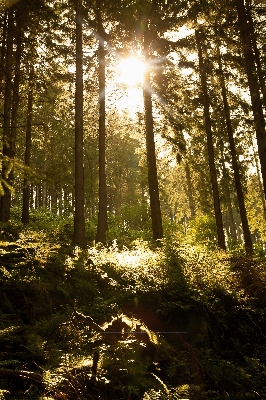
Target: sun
<point>131,71</point>
<point>126,86</point>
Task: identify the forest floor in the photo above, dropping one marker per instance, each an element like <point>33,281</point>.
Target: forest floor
<point>143,322</point>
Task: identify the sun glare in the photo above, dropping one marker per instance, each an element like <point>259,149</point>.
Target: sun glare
<point>131,71</point>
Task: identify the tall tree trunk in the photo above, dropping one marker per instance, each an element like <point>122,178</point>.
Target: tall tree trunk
<point>256,54</point>
<point>6,197</point>
<point>45,200</point>
<point>256,101</point>
<point>102,212</point>
<point>53,197</point>
<point>238,184</point>
<point>231,219</point>
<point>226,177</point>
<point>3,50</point>
<point>79,238</point>
<point>190,192</point>
<point>26,187</point>
<point>213,174</point>
<point>38,196</point>
<point>157,228</point>
<point>16,95</point>
<point>255,157</point>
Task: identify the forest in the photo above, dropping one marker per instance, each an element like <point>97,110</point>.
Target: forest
<point>133,199</point>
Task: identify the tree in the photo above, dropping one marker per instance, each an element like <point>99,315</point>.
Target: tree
<point>256,51</point>
<point>238,185</point>
<point>207,118</point>
<point>102,213</point>
<point>79,238</point>
<point>156,217</point>
<point>26,185</point>
<point>189,190</point>
<point>7,144</point>
<point>251,71</point>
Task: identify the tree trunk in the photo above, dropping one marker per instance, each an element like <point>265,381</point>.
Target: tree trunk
<point>26,188</point>
<point>53,197</point>
<point>256,54</point>
<point>79,238</point>
<point>3,50</point>
<point>16,97</point>
<point>16,83</point>
<point>102,212</point>
<point>157,228</point>
<point>213,174</point>
<point>238,184</point>
<point>256,101</point>
<point>231,219</point>
<point>190,192</point>
<point>6,197</point>
<point>232,227</point>
<point>255,157</point>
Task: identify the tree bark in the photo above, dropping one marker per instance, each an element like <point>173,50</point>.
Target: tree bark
<point>260,184</point>
<point>157,228</point>
<point>79,238</point>
<point>207,118</point>
<point>256,101</point>
<point>190,193</point>
<point>3,50</point>
<point>231,219</point>
<point>256,54</point>
<point>102,212</point>
<point>27,157</point>
<point>232,226</point>
<point>6,197</point>
<point>235,165</point>
<point>16,93</point>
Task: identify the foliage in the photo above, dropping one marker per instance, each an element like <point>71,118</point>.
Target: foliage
<point>138,322</point>
<point>131,223</point>
<point>202,230</point>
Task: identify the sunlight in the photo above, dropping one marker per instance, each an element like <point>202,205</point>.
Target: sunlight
<point>131,71</point>
<point>131,100</point>
<point>129,79</point>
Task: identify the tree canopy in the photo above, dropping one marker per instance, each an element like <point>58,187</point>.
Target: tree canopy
<point>200,103</point>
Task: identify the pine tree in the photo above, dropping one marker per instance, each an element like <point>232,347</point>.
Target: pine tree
<point>207,118</point>
<point>79,238</point>
<point>251,71</point>
<point>102,213</point>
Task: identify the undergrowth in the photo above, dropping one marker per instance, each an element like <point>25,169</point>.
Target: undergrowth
<point>140,322</point>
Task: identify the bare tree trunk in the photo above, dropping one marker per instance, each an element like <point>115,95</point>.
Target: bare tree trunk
<point>238,184</point>
<point>102,213</point>
<point>156,217</point>
<point>16,83</point>
<point>79,238</point>
<point>231,219</point>
<point>3,51</point>
<point>53,197</point>
<point>232,227</point>
<point>190,192</point>
<point>6,197</point>
<point>213,174</point>
<point>256,54</point>
<point>45,195</point>
<point>256,101</point>
<point>26,189</point>
<point>255,158</point>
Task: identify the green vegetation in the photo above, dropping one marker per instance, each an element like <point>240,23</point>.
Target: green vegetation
<point>132,199</point>
<point>174,321</point>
